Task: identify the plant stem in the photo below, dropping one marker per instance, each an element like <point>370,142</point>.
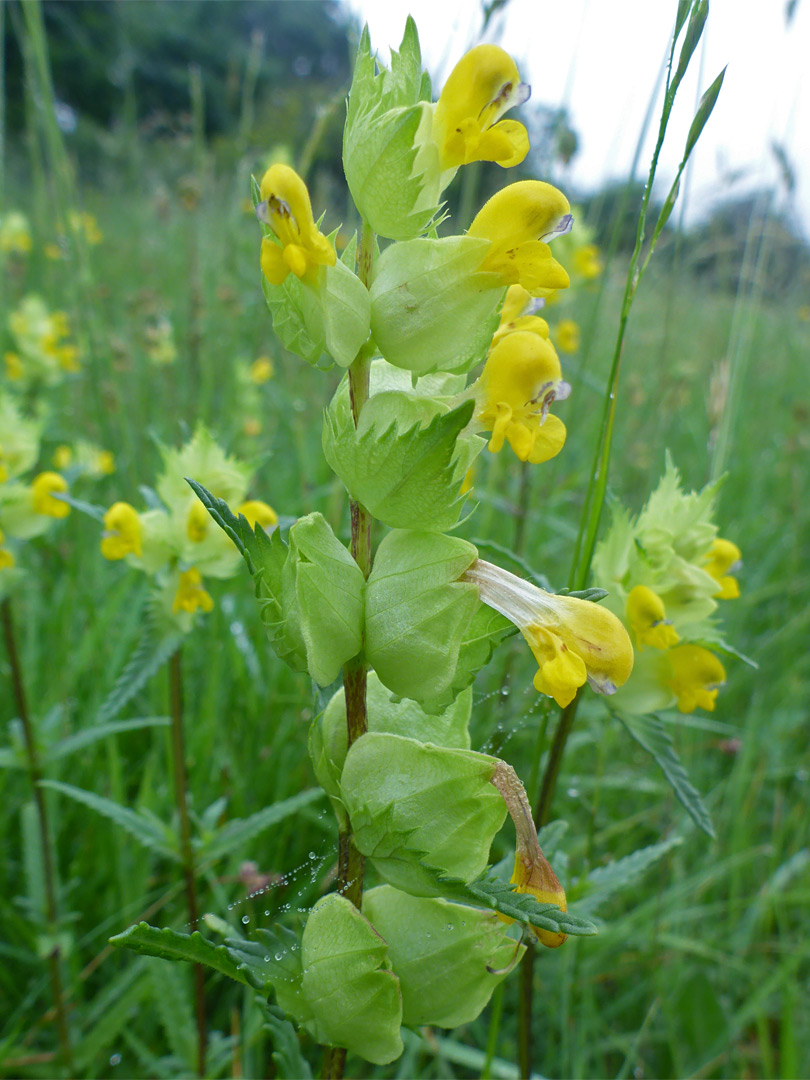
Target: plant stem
<point>350,862</point>
<point>35,775</point>
<point>186,849</point>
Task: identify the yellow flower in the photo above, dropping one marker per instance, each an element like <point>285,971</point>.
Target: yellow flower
<point>587,262</point>
<point>696,675</point>
<point>42,492</point>
<point>197,522</point>
<point>286,208</point>
<point>467,127</point>
<point>258,513</point>
<point>62,457</point>
<point>14,365</point>
<point>723,556</point>
<point>53,251</point>
<point>573,640</point>
<point>519,220</point>
<point>567,336</point>
<point>7,560</point>
<point>190,593</point>
<point>123,533</point>
<point>648,619</point>
<point>517,313</point>
<point>532,873</point>
<point>105,462</point>
<point>261,370</point>
<point>521,379</point>
<point>68,357</point>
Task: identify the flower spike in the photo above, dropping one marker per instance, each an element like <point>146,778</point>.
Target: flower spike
<point>573,640</point>
<point>467,127</point>
<point>286,208</point>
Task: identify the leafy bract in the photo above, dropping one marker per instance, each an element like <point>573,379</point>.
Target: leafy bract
<point>431,307</point>
<point>436,806</point>
<point>485,631</point>
<point>322,598</point>
<point>354,997</point>
<point>328,737</point>
<point>404,469</point>
<point>448,957</point>
<point>391,164</point>
<point>418,612</point>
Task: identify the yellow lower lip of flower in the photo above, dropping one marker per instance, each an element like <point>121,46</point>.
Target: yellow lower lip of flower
<point>696,675</point>
<point>286,208</point>
<point>724,555</point>
<point>258,513</point>
<point>123,532</point>
<point>191,595</point>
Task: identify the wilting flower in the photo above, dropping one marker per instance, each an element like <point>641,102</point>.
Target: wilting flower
<point>648,619</point>
<point>190,593</point>
<point>532,872</point>
<point>519,221</point>
<point>696,675</point>
<point>467,123</point>
<point>724,556</point>
<point>43,489</point>
<point>520,380</point>
<point>573,640</point>
<point>122,532</point>
<point>566,334</point>
<point>286,208</point>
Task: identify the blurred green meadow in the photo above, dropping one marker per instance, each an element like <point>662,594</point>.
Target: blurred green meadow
<point>702,964</point>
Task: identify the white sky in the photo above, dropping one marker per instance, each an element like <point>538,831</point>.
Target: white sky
<point>602,59</point>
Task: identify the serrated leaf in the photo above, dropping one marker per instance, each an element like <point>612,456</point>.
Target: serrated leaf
<point>405,473</point>
<point>241,830</point>
<point>236,526</point>
<point>484,633</point>
<point>289,1061</point>
<point>151,653</point>
<point>649,733</point>
<point>604,881</point>
<point>704,111</point>
<point>273,959</point>
<point>167,944</point>
<point>82,739</point>
<point>298,320</point>
<point>489,891</point>
<point>143,829</point>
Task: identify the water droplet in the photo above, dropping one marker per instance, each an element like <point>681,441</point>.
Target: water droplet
<point>267,912</point>
<point>267,959</point>
<point>279,956</point>
<point>115,1059</point>
<point>245,920</point>
<point>312,855</point>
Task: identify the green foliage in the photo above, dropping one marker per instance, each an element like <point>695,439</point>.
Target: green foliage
<point>400,467</point>
<point>289,1061</point>
<point>437,809</point>
<point>418,612</point>
<point>240,831</point>
<point>354,996</point>
<point>448,958</point>
<point>431,308</point>
<point>604,881</point>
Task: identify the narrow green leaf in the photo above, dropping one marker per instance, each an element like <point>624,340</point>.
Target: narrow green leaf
<point>193,948</point>
<point>235,526</point>
<point>704,111</point>
<point>151,653</point>
<point>143,829</point>
<point>604,881</point>
<point>82,739</point>
<point>649,732</point>
<point>694,31</point>
<point>681,17</point>
<point>290,1062</point>
<point>239,831</point>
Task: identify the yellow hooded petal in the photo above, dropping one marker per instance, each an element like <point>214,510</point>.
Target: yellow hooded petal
<point>724,555</point>
<point>123,533</point>
<point>482,86</point>
<point>43,489</point>
<point>287,209</point>
<point>696,676</point>
<point>648,619</point>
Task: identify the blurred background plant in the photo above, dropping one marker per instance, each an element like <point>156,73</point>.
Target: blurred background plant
<point>130,132</point>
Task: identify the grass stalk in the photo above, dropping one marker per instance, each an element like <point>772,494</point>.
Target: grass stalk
<point>49,871</point>
<point>186,849</point>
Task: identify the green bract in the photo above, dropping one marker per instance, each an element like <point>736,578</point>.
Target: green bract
<point>391,164</point>
<point>322,598</point>
<point>417,611</point>
<point>400,462</point>
<point>331,318</point>
<point>348,984</point>
<point>411,802</point>
<point>448,957</point>
<point>431,307</point>
<point>328,737</point>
